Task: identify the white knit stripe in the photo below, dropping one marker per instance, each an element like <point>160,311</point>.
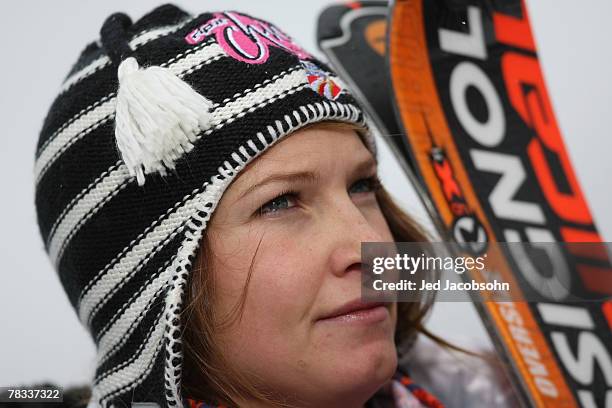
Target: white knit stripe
<point>85,208</point>
<point>90,119</point>
<point>101,62</point>
<point>139,368</point>
<point>133,260</point>
<point>77,129</point>
<point>246,103</point>
<point>141,345</point>
<point>83,73</point>
<point>78,197</point>
<point>149,35</point>
<point>121,328</point>
<point>71,121</point>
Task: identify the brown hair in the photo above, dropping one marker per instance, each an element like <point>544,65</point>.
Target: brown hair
<point>207,376</point>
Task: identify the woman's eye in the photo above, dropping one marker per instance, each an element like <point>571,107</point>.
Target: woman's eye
<point>282,202</point>
<point>365,185</point>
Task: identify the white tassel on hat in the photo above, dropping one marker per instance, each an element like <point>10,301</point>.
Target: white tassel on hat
<point>157,119</point>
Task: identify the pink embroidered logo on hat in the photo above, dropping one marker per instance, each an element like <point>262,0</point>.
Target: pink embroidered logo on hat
<point>244,38</point>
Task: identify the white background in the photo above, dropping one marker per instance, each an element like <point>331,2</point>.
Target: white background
<point>41,338</point>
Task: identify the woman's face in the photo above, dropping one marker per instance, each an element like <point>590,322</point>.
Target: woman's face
<point>296,218</point>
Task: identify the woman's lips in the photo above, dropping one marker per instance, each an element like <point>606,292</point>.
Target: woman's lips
<point>358,312</point>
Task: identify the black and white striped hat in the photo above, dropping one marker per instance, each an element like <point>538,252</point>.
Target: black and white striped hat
<point>150,127</point>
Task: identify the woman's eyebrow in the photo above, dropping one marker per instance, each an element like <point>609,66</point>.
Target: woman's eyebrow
<point>366,166</point>
<point>305,176</point>
<point>300,176</point>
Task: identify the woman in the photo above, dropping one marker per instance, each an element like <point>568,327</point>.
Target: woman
<point>214,259</point>
<point>282,255</point>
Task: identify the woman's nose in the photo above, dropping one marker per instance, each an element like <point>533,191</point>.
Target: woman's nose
<point>349,227</point>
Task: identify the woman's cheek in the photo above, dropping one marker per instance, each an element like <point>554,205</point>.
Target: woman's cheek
<point>291,271</point>
<point>289,264</point>
<point>378,222</point>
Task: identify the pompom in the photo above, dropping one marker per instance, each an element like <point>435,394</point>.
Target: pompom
<point>157,119</point>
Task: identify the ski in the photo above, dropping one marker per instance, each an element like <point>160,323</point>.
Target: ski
<point>440,156</point>
<point>485,143</point>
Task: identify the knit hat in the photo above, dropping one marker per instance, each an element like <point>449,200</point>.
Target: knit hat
<point>152,124</point>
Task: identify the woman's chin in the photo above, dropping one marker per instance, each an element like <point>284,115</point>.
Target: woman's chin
<point>365,377</point>
<point>360,368</point>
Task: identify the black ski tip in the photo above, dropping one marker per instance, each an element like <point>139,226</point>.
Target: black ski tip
<point>328,23</point>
